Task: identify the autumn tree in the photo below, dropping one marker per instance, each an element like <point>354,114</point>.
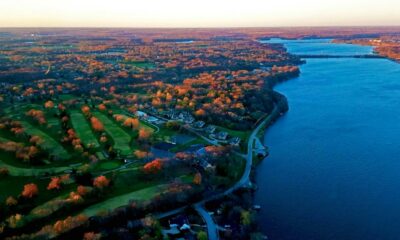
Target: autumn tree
<point>132,123</point>
<point>82,190</point>
<point>55,183</point>
<point>30,190</point>
<point>85,109</point>
<point>102,107</point>
<point>49,104</point>
<point>11,201</point>
<point>101,182</point>
<point>92,236</point>
<point>96,124</point>
<point>142,154</point>
<point>153,167</point>
<point>144,135</point>
<point>197,179</point>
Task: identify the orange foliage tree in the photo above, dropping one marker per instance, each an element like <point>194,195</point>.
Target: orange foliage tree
<point>49,104</point>
<point>144,135</point>
<point>132,123</point>
<point>30,190</point>
<point>153,167</point>
<point>96,124</point>
<point>92,236</point>
<point>101,182</point>
<point>142,154</point>
<point>85,109</point>
<point>102,107</point>
<point>197,179</point>
<point>55,183</point>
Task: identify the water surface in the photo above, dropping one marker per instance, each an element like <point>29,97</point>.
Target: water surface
<point>334,165</point>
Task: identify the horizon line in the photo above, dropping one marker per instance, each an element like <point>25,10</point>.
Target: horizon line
<point>211,27</point>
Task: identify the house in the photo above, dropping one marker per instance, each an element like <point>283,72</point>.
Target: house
<point>141,114</point>
<point>152,119</point>
<point>199,124</point>
<point>186,117</point>
<point>221,135</point>
<point>210,129</point>
<point>234,141</point>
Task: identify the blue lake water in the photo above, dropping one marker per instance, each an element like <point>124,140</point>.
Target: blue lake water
<point>334,165</point>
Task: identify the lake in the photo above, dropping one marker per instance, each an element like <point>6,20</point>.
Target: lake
<point>334,165</point>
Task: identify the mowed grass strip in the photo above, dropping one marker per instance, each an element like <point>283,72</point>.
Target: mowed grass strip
<point>83,129</point>
<point>123,200</point>
<point>48,144</point>
<point>121,138</point>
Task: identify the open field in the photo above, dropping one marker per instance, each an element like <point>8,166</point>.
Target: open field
<point>122,200</point>
<point>83,129</point>
<point>121,138</point>
<point>48,144</point>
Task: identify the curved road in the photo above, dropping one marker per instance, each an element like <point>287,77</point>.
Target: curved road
<point>243,181</point>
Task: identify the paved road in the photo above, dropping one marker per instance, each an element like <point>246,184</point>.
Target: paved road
<point>212,231</point>
<point>244,180</point>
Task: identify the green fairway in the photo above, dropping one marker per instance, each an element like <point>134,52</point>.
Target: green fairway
<point>122,200</point>
<point>83,129</point>
<point>12,186</point>
<point>121,138</point>
<point>109,165</point>
<point>48,144</point>
<point>18,171</point>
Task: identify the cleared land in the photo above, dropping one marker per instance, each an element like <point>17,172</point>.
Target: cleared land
<point>83,129</point>
<point>48,144</point>
<point>121,138</point>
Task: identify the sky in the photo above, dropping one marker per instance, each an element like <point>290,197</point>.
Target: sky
<point>198,13</point>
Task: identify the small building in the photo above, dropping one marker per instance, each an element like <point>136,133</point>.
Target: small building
<point>235,141</point>
<point>141,114</point>
<point>210,129</point>
<point>199,124</point>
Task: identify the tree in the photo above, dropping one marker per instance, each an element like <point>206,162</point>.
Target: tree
<point>144,135</point>
<point>49,104</point>
<point>4,172</point>
<point>82,190</point>
<point>85,109</point>
<point>197,179</point>
<point>102,107</point>
<point>30,190</point>
<point>201,235</point>
<point>132,123</point>
<point>101,182</point>
<point>55,183</point>
<point>96,124</point>
<point>92,236</point>
<point>153,166</point>
<point>200,113</point>
<point>142,154</point>
<point>11,201</point>
<point>245,217</point>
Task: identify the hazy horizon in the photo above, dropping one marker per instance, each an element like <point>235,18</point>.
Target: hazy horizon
<point>205,14</point>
